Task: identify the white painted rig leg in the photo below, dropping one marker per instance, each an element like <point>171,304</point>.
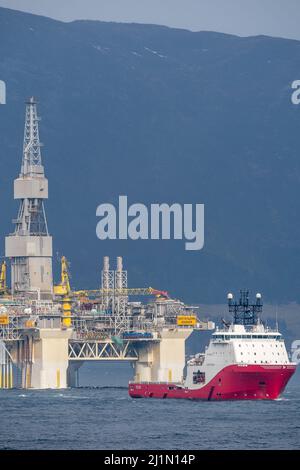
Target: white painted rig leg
<point>50,359</point>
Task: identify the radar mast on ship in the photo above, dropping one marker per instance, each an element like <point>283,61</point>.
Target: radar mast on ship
<point>243,312</point>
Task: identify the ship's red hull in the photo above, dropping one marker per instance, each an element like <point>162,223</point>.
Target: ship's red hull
<point>235,382</point>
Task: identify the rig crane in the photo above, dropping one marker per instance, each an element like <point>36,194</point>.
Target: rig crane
<point>64,287</point>
<point>123,291</point>
<point>63,290</point>
<point>3,285</point>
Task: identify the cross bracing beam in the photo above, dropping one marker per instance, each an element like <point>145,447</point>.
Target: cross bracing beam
<point>101,351</point>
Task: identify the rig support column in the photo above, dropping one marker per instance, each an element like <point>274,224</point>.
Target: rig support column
<point>163,361</point>
<point>6,371</point>
<point>73,373</point>
<point>50,358</point>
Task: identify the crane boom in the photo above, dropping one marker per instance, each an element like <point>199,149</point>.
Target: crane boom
<point>121,292</point>
<point>3,286</point>
<point>64,288</point>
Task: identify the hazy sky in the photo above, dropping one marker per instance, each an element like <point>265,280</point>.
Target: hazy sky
<point>242,17</point>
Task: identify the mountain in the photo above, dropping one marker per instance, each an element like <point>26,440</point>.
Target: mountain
<point>160,115</point>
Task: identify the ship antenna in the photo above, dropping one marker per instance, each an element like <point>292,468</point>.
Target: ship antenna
<point>243,312</point>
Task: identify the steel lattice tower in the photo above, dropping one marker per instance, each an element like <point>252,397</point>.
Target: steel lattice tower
<point>30,246</point>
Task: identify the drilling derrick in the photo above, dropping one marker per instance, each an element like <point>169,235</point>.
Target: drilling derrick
<point>30,246</point>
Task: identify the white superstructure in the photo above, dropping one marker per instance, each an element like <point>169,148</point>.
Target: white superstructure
<point>237,345</point>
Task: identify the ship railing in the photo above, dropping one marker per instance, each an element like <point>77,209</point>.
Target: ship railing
<point>196,362</point>
<point>177,384</point>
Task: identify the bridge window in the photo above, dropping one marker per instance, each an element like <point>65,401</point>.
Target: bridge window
<point>198,377</point>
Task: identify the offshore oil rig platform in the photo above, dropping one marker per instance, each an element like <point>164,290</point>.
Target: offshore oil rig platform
<point>47,331</point>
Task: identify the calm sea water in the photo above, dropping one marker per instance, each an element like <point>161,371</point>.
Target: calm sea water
<point>105,417</point>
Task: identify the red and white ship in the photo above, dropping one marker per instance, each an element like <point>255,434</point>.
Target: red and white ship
<point>244,361</point>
